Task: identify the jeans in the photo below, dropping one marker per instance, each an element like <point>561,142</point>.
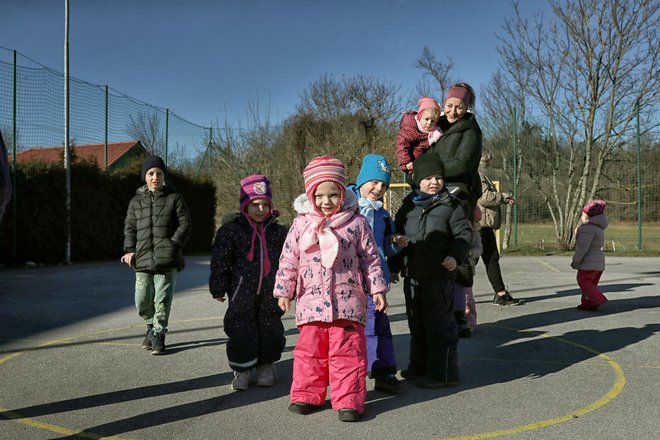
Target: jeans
<point>491,259</point>
<point>153,298</point>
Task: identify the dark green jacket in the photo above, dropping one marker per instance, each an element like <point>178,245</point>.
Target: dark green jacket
<point>460,150</point>
<point>437,228</point>
<point>157,227</point>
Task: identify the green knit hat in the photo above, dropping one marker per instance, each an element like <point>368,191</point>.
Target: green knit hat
<point>427,165</point>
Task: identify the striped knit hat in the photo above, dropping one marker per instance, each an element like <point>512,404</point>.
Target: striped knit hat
<point>255,187</point>
<point>324,169</point>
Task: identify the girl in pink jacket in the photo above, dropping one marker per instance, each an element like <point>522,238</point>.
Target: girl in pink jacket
<point>330,263</point>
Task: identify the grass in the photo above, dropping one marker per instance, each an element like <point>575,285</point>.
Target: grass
<point>620,239</point>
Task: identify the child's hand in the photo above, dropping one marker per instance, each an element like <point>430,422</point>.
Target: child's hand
<point>284,303</point>
<point>449,263</point>
<point>380,302</point>
<point>394,277</point>
<point>400,240</point>
<point>128,258</point>
<point>409,166</point>
<point>220,298</point>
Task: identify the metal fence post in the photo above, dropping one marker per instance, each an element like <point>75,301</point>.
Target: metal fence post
<point>639,181</point>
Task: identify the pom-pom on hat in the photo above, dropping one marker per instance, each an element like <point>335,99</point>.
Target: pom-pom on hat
<point>374,167</point>
<point>426,103</point>
<point>151,162</point>
<point>461,93</point>
<point>595,207</point>
<point>427,165</point>
<point>323,169</point>
<point>255,187</point>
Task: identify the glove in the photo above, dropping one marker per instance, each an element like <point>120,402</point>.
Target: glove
<point>574,265</point>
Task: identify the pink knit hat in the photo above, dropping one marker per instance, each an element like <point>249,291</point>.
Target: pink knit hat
<point>426,103</point>
<point>255,187</point>
<point>324,169</point>
<point>461,93</point>
<point>595,207</point>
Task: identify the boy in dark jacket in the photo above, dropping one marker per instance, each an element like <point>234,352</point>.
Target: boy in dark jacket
<point>157,227</point>
<point>440,239</point>
<point>245,258</point>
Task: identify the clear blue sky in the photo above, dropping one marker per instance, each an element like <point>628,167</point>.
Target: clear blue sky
<point>204,59</point>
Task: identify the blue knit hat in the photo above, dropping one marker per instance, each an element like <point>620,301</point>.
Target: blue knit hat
<point>374,167</point>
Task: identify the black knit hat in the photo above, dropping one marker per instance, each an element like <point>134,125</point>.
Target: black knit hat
<point>150,162</point>
<point>427,165</point>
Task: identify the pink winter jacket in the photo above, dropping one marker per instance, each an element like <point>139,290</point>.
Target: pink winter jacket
<point>325,295</point>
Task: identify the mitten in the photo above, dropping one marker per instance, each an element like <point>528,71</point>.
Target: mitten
<point>434,136</point>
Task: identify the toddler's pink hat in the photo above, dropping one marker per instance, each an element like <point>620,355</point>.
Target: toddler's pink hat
<point>595,207</point>
<point>426,103</point>
<point>323,169</point>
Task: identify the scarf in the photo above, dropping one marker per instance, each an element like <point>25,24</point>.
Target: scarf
<point>432,135</point>
<point>320,230</point>
<point>260,230</point>
<point>368,209</point>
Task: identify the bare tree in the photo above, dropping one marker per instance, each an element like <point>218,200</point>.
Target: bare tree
<point>146,127</point>
<point>436,78</point>
<point>584,72</point>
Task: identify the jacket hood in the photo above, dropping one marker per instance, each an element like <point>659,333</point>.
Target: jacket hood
<point>599,220</point>
<point>302,205</point>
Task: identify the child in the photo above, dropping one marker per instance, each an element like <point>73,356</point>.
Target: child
<point>440,238</point>
<point>370,186</point>
<point>417,132</point>
<point>589,258</point>
<point>244,260</point>
<point>157,227</point>
<point>465,307</point>
<point>330,264</point>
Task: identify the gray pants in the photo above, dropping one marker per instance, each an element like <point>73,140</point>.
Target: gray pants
<point>153,298</point>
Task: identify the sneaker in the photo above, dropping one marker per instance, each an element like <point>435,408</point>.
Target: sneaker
<point>158,344</point>
<point>427,382</point>
<point>303,408</point>
<point>241,380</point>
<point>507,300</point>
<point>265,375</point>
<point>389,384</point>
<point>410,374</point>
<point>348,415</point>
<point>148,338</point>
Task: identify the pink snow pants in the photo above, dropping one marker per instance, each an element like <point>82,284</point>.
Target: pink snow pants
<point>333,353</point>
<point>588,280</point>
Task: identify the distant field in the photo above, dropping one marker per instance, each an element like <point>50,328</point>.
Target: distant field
<point>621,239</point>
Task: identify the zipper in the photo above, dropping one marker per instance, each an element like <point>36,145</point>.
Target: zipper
<point>240,281</point>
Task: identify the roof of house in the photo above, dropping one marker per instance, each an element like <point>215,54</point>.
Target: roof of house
<point>85,151</point>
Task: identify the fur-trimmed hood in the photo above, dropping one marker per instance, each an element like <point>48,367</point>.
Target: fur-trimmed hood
<point>302,205</point>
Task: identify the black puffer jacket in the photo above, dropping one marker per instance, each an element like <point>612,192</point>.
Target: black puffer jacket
<point>231,272</point>
<point>157,227</point>
<point>437,228</point>
<point>460,150</point>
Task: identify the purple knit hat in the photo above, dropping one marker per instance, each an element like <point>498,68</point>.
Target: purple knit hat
<point>595,207</point>
<point>255,187</point>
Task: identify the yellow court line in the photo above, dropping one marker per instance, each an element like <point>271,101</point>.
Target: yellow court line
<point>616,389</point>
<point>546,265</point>
<point>53,428</point>
<point>608,397</point>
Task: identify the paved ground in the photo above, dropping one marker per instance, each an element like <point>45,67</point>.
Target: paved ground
<point>71,365</point>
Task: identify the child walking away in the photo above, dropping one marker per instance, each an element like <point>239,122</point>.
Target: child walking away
<point>157,227</point>
<point>589,258</point>
<point>330,264</point>
<point>440,238</point>
<point>371,184</point>
<point>244,260</point>
<point>417,132</point>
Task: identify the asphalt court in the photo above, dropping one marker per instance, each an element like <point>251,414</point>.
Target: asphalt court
<point>71,364</point>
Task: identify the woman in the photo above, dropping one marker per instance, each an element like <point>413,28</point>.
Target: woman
<point>460,146</point>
